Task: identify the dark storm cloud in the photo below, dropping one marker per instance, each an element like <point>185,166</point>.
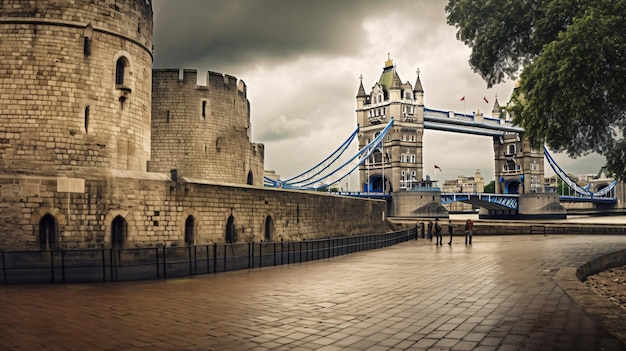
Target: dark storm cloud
<point>230,33</point>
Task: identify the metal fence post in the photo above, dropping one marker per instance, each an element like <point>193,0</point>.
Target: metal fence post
<point>63,266</point>
<point>104,272</point>
<point>51,266</point>
<point>164,263</point>
<point>4,268</point>
<point>282,252</point>
<point>158,266</point>
<point>251,255</point>
<point>190,264</point>
<point>225,253</point>
<point>111,263</point>
<point>208,264</point>
<point>214,257</point>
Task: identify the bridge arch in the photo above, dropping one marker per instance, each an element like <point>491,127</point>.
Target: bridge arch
<point>511,187</point>
<point>379,183</point>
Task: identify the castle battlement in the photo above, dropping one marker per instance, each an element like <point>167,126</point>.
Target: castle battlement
<point>214,80</point>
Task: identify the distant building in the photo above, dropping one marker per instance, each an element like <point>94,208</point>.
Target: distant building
<point>463,184</point>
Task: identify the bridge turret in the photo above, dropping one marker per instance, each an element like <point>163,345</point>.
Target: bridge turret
<point>497,109</point>
<point>418,91</point>
<point>397,164</point>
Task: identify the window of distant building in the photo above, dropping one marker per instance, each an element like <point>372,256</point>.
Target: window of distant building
<point>511,149</point>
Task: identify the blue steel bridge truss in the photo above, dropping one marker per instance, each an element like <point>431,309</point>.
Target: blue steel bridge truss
<point>331,170</point>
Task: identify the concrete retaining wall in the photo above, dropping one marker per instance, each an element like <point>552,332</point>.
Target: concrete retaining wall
<point>602,263</point>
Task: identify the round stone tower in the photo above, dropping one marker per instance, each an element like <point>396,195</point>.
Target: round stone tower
<point>75,85</point>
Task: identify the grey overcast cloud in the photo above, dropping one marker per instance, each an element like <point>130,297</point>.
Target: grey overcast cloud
<point>301,62</point>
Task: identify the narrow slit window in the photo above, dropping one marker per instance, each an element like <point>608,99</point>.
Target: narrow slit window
<point>203,109</point>
<point>86,119</point>
<point>87,34</point>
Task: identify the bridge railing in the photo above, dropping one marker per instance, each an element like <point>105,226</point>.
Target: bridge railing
<point>112,265</point>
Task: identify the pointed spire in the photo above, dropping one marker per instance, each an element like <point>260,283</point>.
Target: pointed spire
<point>361,92</point>
<point>395,81</point>
<point>389,62</point>
<point>496,107</point>
<point>418,84</point>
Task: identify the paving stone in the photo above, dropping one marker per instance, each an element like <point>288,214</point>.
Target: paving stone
<point>502,294</point>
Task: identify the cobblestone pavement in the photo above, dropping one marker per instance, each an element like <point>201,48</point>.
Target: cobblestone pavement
<point>497,294</point>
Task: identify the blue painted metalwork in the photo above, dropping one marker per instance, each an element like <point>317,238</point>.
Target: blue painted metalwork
<point>451,121</point>
<point>313,182</point>
<point>506,201</point>
<point>583,191</point>
<point>610,200</point>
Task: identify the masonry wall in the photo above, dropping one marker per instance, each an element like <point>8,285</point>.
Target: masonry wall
<point>155,210</point>
<point>203,131</point>
<point>60,107</point>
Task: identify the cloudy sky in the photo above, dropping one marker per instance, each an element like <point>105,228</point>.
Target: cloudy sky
<point>302,60</point>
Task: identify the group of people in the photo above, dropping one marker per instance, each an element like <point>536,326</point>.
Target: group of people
<point>435,228</point>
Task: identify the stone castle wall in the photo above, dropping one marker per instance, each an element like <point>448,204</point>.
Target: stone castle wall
<point>156,209</point>
<point>80,117</point>
<point>203,131</point>
<point>60,107</point>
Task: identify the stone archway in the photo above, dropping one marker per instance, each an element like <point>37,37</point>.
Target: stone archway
<point>231,235</point>
<point>119,232</point>
<point>47,232</point>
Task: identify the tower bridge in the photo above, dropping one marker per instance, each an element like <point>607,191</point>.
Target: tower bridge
<point>391,121</point>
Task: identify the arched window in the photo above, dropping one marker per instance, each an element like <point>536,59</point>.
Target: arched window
<point>511,149</point>
<point>250,180</point>
<point>47,232</point>
<point>231,236</point>
<point>118,232</point>
<point>120,70</point>
<point>189,230</point>
<point>269,226</point>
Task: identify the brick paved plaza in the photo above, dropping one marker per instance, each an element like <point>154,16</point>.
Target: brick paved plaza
<point>498,294</point>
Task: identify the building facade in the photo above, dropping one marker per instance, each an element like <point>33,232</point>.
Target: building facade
<point>519,167</point>
<point>397,163</point>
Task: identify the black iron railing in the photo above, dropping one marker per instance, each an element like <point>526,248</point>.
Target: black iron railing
<point>110,265</point>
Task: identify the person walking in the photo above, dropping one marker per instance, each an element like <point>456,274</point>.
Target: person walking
<point>430,231</point>
<point>438,236</point>
<point>450,230</point>
<point>468,231</point>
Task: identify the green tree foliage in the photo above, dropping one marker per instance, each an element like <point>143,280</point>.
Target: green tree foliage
<point>490,187</point>
<point>571,59</point>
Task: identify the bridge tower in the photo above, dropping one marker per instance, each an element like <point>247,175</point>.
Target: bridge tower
<point>397,164</point>
<point>519,168</point>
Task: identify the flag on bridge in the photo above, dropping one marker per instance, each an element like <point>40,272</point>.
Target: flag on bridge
<point>437,167</point>
<point>485,98</point>
<point>463,98</point>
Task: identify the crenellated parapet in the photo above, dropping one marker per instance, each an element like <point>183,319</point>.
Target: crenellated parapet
<point>203,130</point>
